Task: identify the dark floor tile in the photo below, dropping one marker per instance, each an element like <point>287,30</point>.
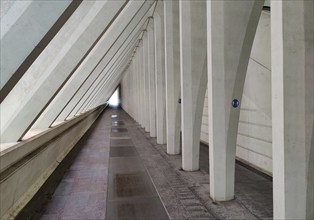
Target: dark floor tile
<point>127,185</point>
<point>125,165</point>
<point>123,152</point>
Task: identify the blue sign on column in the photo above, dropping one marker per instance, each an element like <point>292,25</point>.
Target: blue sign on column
<point>235,103</point>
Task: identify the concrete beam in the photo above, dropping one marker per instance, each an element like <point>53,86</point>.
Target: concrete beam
<point>26,29</point>
<point>18,120</point>
<point>101,70</point>
<point>119,27</point>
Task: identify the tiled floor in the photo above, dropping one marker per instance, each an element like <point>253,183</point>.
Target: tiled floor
<point>118,172</point>
<point>131,193</point>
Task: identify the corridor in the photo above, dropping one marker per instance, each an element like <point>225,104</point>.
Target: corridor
<point>117,171</point>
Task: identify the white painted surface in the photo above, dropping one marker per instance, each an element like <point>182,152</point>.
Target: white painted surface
<point>160,73</point>
<point>22,28</point>
<point>254,142</point>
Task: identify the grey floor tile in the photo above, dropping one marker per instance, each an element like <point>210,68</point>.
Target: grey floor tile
<point>121,142</point>
<point>123,152</point>
<point>144,208</point>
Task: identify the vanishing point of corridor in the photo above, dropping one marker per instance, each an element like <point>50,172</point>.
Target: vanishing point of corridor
<point>117,171</point>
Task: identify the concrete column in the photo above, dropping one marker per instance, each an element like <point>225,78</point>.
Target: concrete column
<point>172,72</point>
<point>160,73</point>
<point>292,108</point>
<point>146,84</point>
<point>193,78</point>
<point>141,83</point>
<point>138,86</point>
<point>152,77</point>
<point>231,30</point>
<point>135,87</point>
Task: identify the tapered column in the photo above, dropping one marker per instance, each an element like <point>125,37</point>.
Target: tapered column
<point>172,72</point>
<point>292,108</point>
<point>231,30</point>
<point>160,73</point>
<point>193,78</point>
<point>152,84</point>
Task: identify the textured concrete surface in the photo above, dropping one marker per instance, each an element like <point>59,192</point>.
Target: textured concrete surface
<point>186,194</point>
<point>142,181</point>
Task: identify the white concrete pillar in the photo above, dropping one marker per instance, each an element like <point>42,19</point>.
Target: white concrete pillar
<point>172,74</point>
<point>231,30</point>
<point>160,73</point>
<point>292,108</point>
<point>138,86</point>
<point>141,83</point>
<point>152,77</point>
<point>146,83</point>
<point>193,78</point>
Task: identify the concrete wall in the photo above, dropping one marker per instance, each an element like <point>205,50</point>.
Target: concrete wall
<point>254,143</point>
<point>26,166</point>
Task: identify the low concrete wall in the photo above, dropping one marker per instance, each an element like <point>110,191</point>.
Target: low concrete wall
<point>25,166</point>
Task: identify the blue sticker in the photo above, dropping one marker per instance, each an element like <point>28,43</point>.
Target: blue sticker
<point>235,103</point>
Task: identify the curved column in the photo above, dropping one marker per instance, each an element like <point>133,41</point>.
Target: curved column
<point>231,30</point>
<point>172,73</point>
<point>193,78</point>
<point>293,108</point>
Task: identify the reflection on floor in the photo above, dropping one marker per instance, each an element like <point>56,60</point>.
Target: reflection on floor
<point>118,172</point>
<point>131,193</point>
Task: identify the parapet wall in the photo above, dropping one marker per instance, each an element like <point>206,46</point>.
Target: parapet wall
<point>25,166</point>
